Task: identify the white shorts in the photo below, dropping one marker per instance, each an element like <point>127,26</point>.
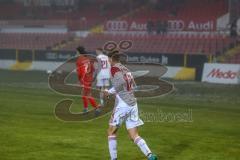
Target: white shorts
<point>102,82</point>
<point>125,113</point>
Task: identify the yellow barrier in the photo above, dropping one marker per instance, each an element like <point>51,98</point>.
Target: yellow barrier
<point>21,66</point>
<point>97,29</point>
<point>186,74</point>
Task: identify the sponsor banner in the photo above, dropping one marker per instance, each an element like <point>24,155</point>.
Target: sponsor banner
<point>61,56</point>
<point>172,25</point>
<point>165,59</point>
<point>221,73</point>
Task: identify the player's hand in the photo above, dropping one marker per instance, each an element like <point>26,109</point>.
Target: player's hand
<point>105,93</point>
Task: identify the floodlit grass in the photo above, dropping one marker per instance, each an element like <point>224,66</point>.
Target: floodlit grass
<point>29,129</point>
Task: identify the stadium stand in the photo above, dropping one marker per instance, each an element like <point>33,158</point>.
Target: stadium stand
<point>199,11</point>
<point>178,44</point>
<point>10,10</point>
<point>31,40</point>
<point>77,18</point>
<point>185,10</point>
<point>81,18</point>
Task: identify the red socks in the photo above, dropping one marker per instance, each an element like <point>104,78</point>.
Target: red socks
<point>85,102</point>
<point>91,100</point>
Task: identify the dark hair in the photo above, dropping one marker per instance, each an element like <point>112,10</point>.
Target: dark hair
<point>99,49</point>
<point>116,58</point>
<point>111,53</point>
<point>81,50</point>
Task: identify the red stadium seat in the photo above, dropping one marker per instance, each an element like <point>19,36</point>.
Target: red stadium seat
<point>190,44</point>
<point>31,40</point>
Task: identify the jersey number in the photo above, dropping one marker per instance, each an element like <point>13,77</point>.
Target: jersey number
<point>104,64</point>
<point>87,67</point>
<point>129,80</point>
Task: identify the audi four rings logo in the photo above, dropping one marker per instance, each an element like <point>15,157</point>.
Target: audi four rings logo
<point>117,25</point>
<point>173,25</point>
<point>176,25</point>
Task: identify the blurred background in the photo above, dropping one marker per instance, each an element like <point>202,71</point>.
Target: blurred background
<point>181,34</point>
<point>197,40</point>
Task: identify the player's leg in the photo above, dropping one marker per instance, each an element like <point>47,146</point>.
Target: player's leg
<point>106,85</point>
<point>132,124</point>
<point>114,123</point>
<point>141,143</point>
<point>93,102</point>
<point>112,142</point>
<point>87,92</point>
<point>95,105</point>
<point>84,99</point>
<point>101,86</point>
<point>101,95</point>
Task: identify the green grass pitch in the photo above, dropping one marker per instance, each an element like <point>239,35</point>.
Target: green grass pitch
<point>30,131</point>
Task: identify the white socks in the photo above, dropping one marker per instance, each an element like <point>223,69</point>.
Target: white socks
<point>101,99</point>
<point>143,146</point>
<point>112,144</point>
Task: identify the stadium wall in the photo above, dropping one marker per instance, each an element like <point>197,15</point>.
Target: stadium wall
<point>180,67</point>
<point>41,29</point>
<point>176,73</point>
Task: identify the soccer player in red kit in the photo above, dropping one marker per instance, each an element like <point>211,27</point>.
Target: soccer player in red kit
<point>85,72</point>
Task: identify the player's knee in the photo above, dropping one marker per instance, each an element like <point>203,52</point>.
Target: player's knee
<point>133,135</point>
<point>111,132</point>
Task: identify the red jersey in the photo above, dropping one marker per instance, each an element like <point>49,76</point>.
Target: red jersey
<point>85,70</point>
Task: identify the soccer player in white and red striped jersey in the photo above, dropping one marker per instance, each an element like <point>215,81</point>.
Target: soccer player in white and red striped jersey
<point>126,109</point>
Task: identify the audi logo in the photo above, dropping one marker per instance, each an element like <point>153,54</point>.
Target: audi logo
<point>117,25</point>
<point>176,25</point>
